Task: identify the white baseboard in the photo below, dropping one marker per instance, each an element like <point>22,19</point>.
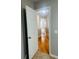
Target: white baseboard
<point>54,56</point>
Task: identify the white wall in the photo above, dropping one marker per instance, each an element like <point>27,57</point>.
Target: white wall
<point>26,2</point>
<point>54,26</point>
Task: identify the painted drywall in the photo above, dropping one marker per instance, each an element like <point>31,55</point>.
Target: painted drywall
<point>54,26</point>
<point>43,3</point>
<point>26,2</point>
<point>23,38</point>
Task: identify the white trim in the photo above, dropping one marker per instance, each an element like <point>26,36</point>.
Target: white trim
<point>54,56</point>
<point>48,7</point>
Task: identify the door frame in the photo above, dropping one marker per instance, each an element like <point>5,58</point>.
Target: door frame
<point>49,29</point>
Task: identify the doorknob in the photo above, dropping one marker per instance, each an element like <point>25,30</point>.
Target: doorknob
<point>29,37</point>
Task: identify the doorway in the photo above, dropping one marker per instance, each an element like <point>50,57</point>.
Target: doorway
<point>43,30</point>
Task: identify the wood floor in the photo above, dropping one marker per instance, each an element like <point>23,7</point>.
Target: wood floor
<point>43,47</point>
<point>43,43</point>
<point>40,55</point>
